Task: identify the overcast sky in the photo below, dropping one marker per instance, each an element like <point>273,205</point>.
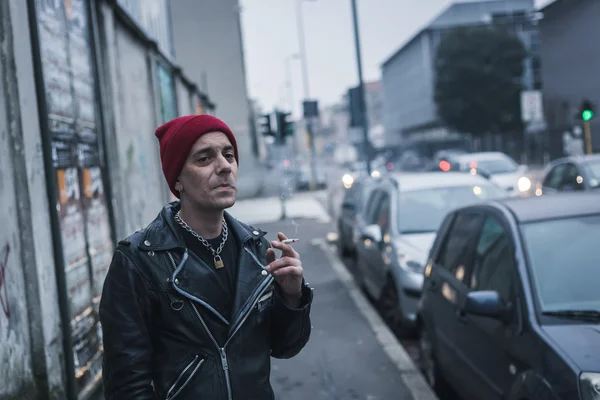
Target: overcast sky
<point>270,35</point>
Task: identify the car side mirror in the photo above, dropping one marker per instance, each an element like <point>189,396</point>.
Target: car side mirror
<point>485,303</point>
<point>373,233</point>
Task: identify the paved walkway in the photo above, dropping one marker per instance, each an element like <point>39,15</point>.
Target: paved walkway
<point>351,354</point>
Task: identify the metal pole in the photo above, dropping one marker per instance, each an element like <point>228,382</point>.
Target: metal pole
<point>309,128</point>
<point>302,49</point>
<point>288,77</point>
<point>361,88</point>
<point>588,137</point>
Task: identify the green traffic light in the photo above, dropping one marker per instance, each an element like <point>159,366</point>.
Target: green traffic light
<point>587,115</point>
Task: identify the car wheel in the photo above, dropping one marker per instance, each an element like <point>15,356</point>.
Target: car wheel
<point>430,368</point>
<point>389,307</point>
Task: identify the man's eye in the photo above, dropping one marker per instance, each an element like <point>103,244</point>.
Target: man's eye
<point>203,159</point>
<point>229,156</point>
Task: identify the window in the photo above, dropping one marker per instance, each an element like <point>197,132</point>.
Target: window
<point>564,262</point>
<point>372,206</point>
<point>383,214</point>
<point>455,254</point>
<point>494,263</point>
<point>423,210</point>
<point>572,179</point>
<point>554,177</point>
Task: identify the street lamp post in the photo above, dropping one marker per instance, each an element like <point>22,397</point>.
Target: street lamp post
<point>290,91</point>
<point>306,87</point>
<point>361,88</point>
<point>302,48</point>
<point>288,78</point>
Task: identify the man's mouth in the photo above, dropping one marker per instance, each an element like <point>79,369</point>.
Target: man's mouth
<point>225,185</point>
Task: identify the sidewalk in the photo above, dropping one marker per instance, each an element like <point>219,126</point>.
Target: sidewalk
<point>351,354</point>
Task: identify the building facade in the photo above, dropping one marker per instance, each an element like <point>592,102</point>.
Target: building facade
<point>208,43</point>
<point>570,62</point>
<point>408,76</point>
<point>83,86</point>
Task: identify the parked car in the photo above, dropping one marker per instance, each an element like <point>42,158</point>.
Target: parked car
<point>510,305</point>
<point>500,168</point>
<point>350,220</point>
<point>304,177</point>
<point>571,174</point>
<point>400,222</point>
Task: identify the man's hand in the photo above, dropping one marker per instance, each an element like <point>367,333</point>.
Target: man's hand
<point>287,271</point>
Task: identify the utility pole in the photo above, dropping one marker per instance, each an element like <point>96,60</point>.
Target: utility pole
<point>586,113</point>
<point>361,88</point>
<point>587,131</point>
<point>306,87</point>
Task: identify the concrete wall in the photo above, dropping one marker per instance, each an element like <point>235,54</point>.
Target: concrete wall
<point>134,157</point>
<point>30,330</point>
<point>208,45</point>
<point>31,338</point>
<point>184,100</point>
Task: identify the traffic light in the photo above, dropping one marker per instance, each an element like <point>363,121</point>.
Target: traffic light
<point>586,110</point>
<point>265,125</point>
<point>285,127</point>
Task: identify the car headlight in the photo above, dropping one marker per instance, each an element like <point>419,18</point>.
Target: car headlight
<point>590,386</point>
<point>347,180</point>
<point>524,184</point>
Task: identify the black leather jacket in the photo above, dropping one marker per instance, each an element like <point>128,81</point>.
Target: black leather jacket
<point>164,336</point>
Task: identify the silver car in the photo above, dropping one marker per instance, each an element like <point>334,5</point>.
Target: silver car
<point>402,217</point>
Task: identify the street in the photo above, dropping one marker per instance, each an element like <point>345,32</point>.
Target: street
<point>352,354</point>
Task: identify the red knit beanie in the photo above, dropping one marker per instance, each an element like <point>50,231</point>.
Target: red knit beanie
<point>177,137</point>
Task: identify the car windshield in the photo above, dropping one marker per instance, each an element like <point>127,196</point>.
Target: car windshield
<point>564,262</point>
<point>593,168</point>
<point>423,210</point>
<point>495,166</point>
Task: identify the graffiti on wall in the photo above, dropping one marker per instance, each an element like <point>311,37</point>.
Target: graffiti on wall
<point>3,284</point>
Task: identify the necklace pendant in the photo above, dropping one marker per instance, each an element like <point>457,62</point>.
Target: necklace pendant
<point>218,262</point>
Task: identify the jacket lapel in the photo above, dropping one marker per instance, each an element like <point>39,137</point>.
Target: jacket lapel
<point>195,280</point>
<point>252,261</point>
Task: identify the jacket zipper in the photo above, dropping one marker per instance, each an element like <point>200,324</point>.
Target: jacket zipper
<point>221,350</point>
<point>169,397</point>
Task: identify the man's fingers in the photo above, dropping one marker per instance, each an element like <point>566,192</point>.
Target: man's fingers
<point>281,236</point>
<point>285,248</point>
<point>288,271</point>
<point>283,262</point>
<point>270,256</point>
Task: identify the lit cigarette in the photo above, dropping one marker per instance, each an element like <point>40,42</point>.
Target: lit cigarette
<point>288,241</point>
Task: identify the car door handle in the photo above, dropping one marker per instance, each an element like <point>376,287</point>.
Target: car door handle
<point>432,285</point>
<point>461,316</point>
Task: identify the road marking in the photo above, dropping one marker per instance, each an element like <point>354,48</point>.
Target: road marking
<point>409,373</point>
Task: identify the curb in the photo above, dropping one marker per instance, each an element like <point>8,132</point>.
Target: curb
<point>410,374</point>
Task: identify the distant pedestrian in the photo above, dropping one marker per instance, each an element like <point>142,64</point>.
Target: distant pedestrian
<point>195,304</point>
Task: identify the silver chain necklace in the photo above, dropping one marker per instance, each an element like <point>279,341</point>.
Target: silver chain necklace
<point>216,253</point>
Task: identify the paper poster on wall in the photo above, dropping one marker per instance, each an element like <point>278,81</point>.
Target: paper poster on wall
<point>81,63</point>
<point>55,60</point>
<point>71,103</point>
<point>73,238</point>
<point>98,227</point>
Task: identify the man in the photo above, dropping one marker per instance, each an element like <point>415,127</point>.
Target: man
<point>195,304</point>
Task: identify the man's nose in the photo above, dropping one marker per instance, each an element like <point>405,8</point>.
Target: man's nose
<point>223,164</point>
